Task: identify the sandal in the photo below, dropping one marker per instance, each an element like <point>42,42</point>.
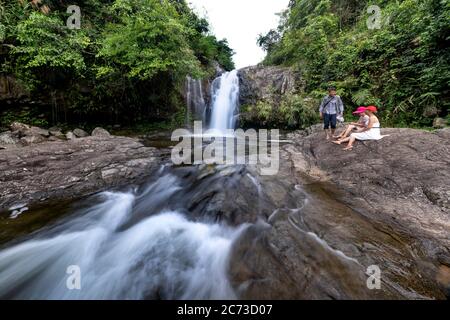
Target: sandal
<point>348,149</point>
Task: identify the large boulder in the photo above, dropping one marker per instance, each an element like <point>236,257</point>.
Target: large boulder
<point>100,132</point>
<point>36,131</point>
<point>19,127</point>
<point>80,133</point>
<point>70,135</point>
<point>31,139</point>
<point>24,130</point>
<point>56,132</point>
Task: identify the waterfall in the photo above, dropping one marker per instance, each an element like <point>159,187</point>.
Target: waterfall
<point>225,101</point>
<point>194,100</point>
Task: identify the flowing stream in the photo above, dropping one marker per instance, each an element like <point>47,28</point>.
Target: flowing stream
<point>195,232</point>
<point>140,243</point>
<point>128,245</point>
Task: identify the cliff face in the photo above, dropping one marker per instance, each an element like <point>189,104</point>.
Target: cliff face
<point>265,83</point>
<point>273,97</point>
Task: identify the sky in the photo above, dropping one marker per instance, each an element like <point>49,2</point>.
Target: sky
<point>241,21</point>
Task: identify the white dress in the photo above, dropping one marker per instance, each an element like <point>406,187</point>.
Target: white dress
<point>373,133</point>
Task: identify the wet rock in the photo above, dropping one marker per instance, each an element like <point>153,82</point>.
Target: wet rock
<point>80,133</point>
<point>100,132</point>
<point>398,183</point>
<point>280,262</point>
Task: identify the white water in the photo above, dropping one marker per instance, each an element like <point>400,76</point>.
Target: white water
<point>225,101</point>
<point>194,100</point>
<point>160,256</point>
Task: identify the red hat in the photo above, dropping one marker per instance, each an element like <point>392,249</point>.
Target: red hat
<point>372,109</point>
<point>361,109</point>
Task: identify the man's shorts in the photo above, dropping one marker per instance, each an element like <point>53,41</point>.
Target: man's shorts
<point>329,119</point>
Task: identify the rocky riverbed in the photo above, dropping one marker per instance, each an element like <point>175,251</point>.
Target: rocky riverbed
<point>385,204</point>
<point>38,165</point>
<point>315,227</point>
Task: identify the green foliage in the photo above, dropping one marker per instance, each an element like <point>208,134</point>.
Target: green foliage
<point>146,38</point>
<point>292,112</point>
<point>404,67</point>
<point>126,64</point>
<point>27,115</point>
<point>44,43</point>
<point>297,112</point>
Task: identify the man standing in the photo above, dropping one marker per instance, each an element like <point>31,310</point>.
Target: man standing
<point>330,108</point>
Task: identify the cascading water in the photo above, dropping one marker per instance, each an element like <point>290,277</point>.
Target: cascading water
<point>225,101</point>
<point>129,245</point>
<point>194,99</point>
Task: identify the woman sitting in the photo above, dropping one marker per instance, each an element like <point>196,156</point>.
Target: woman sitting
<point>362,123</point>
<point>372,132</point>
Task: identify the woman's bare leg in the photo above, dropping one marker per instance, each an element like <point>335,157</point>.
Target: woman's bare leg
<point>351,140</point>
<point>341,140</point>
<point>347,132</point>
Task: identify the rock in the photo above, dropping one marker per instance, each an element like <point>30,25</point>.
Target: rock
<point>36,131</point>
<point>100,132</point>
<point>28,140</point>
<point>109,174</point>
<point>217,69</point>
<point>320,247</point>
<point>79,133</point>
<point>71,169</point>
<point>261,93</point>
<point>19,127</point>
<point>258,83</point>
<point>70,135</point>
<point>439,123</point>
<point>56,132</point>
<point>443,133</point>
<point>401,180</point>
<point>8,138</point>
<point>54,128</point>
